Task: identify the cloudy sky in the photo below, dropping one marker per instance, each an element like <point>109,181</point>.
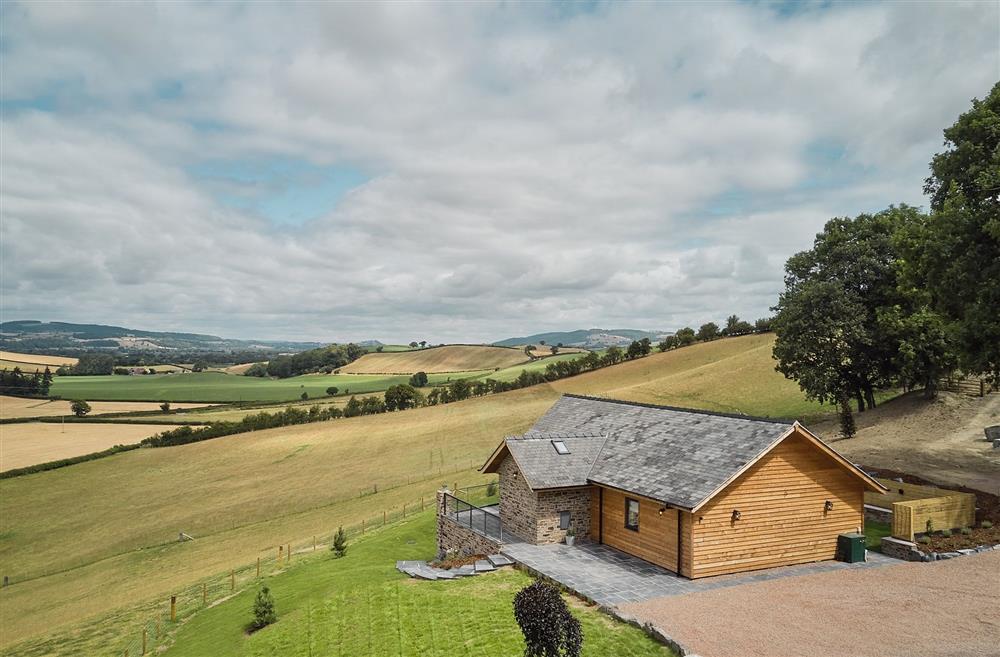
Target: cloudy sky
<point>462,171</point>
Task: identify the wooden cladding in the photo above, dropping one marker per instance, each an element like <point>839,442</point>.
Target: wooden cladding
<point>656,539</point>
<point>952,511</point>
<point>783,517</point>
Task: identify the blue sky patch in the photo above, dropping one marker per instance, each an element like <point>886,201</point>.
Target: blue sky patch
<point>285,191</point>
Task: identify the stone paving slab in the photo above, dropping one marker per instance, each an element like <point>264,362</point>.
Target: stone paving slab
<point>500,560</point>
<point>610,577</point>
<point>484,566</point>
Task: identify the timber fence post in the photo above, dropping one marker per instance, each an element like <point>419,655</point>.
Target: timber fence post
<point>204,593</point>
<point>144,640</point>
<point>258,567</point>
<point>232,581</point>
<point>173,609</point>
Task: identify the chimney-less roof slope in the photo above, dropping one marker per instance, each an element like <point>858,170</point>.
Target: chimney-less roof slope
<point>677,456</point>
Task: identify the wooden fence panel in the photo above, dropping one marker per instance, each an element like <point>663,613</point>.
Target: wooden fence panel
<point>948,512</point>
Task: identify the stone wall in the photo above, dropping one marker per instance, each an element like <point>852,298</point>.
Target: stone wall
<point>878,514</point>
<point>551,503</point>
<point>900,549</point>
<point>453,537</point>
<point>518,503</point>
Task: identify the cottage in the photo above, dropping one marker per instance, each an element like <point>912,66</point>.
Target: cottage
<point>696,492</point>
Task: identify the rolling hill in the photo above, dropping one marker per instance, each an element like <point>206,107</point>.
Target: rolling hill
<point>449,358</point>
<point>246,493</point>
<point>595,338</point>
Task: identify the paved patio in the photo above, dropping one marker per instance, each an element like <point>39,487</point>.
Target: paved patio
<point>610,577</point>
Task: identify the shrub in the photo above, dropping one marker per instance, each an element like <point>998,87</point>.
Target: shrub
<point>549,629</point>
<point>930,526</point>
<point>304,396</point>
<point>332,390</point>
<point>946,533</point>
<point>263,609</point>
<point>79,407</point>
<point>491,489</point>
<point>339,546</point>
<point>966,531</point>
<point>165,407</point>
<point>924,540</point>
<point>986,524</point>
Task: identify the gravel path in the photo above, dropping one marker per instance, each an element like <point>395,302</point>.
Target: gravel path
<point>941,609</point>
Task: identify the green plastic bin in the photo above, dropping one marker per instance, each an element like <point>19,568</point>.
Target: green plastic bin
<point>851,548</point>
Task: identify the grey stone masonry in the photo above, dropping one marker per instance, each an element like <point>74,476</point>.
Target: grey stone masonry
<point>878,514</point>
<point>534,516</point>
<point>551,503</point>
<point>456,538</point>
<point>518,503</point>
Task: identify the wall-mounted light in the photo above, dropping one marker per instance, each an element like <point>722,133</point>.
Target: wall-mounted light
<point>736,515</point>
<point>662,509</point>
<point>828,505</point>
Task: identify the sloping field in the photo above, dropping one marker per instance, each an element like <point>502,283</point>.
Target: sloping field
<point>541,351</point>
<point>734,375</point>
<point>451,358</point>
<point>241,368</point>
<point>219,387</point>
<point>243,493</point>
<point>537,365</point>
<point>33,442</point>
<point>32,362</point>
<point>19,407</point>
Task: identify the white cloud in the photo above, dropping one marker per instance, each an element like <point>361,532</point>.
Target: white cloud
<point>529,170</point>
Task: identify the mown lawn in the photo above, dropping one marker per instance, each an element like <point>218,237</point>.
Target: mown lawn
<point>874,533</point>
<point>360,605</point>
<point>220,387</point>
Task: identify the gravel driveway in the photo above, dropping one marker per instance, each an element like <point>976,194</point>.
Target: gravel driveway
<point>940,609</point>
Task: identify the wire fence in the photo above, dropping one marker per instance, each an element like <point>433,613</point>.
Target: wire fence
<point>156,630</point>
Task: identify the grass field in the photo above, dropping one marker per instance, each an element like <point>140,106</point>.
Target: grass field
<point>360,605</point>
<point>246,493</point>
<point>232,414</point>
<point>451,358</point>
<point>734,375</point>
<point>219,387</point>
<point>511,373</point>
<point>22,407</point>
<point>29,443</point>
<point>33,359</point>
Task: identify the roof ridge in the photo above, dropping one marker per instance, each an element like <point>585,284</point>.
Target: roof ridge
<point>551,435</point>
<point>698,411</point>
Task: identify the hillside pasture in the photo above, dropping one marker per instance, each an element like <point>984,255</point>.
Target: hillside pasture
<point>219,387</point>
<point>360,605</point>
<point>22,407</point>
<point>731,375</point>
<point>437,360</point>
<point>246,493</point>
<point>238,495</point>
<point>241,368</point>
<point>538,365</point>
<point>29,443</point>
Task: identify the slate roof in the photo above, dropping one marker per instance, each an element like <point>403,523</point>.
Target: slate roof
<point>677,456</point>
<point>543,467</point>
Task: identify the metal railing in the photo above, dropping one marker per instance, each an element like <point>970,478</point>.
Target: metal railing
<point>482,495</point>
<point>483,520</point>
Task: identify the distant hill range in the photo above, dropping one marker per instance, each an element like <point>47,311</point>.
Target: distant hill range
<point>28,335</point>
<point>596,338</point>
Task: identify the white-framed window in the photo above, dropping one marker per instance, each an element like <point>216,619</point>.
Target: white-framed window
<point>560,447</point>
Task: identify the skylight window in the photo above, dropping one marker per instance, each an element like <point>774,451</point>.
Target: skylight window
<point>560,447</point>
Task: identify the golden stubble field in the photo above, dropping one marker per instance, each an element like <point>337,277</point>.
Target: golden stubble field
<point>22,407</point>
<point>452,358</point>
<point>29,443</point>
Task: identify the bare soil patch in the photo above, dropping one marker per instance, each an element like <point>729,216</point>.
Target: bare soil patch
<point>906,610</point>
<point>26,444</point>
<point>940,440</point>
